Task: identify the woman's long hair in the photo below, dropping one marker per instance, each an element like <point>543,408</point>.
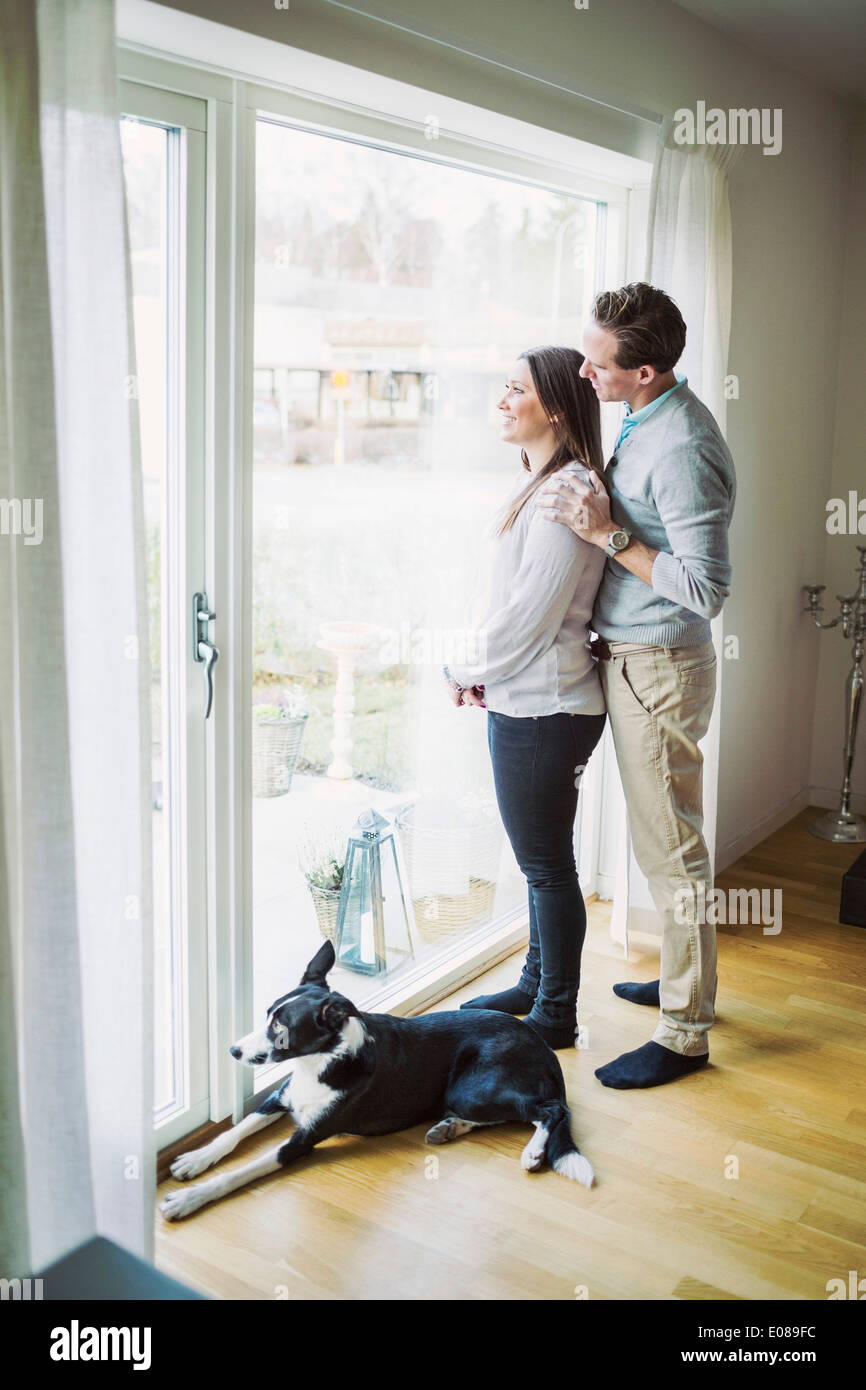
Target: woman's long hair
<point>572,408</point>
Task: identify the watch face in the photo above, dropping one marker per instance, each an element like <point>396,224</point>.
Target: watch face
<point>619,540</point>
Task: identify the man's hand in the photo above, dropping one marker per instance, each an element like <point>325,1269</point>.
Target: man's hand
<point>585,510</point>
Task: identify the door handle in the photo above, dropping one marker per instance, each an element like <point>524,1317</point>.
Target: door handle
<point>202,648</point>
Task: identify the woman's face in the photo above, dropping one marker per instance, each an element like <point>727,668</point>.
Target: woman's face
<point>523,419</point>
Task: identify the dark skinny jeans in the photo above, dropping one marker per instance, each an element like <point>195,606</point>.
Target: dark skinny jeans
<point>534,770</point>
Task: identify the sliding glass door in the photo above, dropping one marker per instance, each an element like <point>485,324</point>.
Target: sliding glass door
<point>323,328</point>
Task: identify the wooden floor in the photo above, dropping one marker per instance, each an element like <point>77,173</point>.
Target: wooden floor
<point>783,1102</point>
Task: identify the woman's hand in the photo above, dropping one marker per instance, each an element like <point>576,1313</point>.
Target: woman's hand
<point>584,510</point>
<point>475,696</point>
<point>472,695</point>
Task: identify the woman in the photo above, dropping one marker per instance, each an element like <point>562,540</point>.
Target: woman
<point>538,682</point>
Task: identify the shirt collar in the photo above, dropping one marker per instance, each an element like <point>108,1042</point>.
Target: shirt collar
<point>634,417</point>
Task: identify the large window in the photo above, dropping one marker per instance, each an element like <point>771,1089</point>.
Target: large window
<point>392,294</point>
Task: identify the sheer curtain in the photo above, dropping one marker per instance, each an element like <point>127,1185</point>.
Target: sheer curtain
<point>689,256</point>
<point>75,803</point>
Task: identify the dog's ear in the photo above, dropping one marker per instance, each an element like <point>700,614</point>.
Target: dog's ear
<point>319,966</point>
<point>334,1012</point>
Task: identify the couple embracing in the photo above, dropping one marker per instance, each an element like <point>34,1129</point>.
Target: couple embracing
<point>636,553</point>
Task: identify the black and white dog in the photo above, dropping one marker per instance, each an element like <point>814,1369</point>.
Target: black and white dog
<point>360,1073</point>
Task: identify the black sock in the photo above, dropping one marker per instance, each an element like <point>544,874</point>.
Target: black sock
<point>650,1065</point>
<point>563,1036</point>
<point>639,994</point>
<point>508,1001</point>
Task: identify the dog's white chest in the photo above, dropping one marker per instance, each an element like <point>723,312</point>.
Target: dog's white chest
<point>309,1097</point>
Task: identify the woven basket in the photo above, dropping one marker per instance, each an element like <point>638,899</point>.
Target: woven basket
<point>326,901</point>
<point>452,873</point>
<point>276,745</point>
<point>442,915</point>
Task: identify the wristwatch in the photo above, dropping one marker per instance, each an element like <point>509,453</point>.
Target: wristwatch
<point>616,541</point>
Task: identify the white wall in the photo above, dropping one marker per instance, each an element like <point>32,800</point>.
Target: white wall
<point>837,565</point>
<point>791,214</point>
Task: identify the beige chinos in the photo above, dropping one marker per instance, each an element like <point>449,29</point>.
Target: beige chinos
<point>659,702</point>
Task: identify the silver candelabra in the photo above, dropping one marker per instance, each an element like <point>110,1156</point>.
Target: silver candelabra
<point>844,826</point>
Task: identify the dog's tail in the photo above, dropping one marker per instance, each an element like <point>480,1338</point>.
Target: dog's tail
<point>561,1152</point>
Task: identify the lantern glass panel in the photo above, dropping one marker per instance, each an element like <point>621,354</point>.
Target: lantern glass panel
<point>373,931</point>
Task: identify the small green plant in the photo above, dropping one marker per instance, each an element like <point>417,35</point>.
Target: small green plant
<point>322,858</point>
<point>289,704</point>
<point>328,876</point>
<point>266,711</point>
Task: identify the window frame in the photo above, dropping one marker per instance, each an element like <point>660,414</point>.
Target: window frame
<point>184,120</point>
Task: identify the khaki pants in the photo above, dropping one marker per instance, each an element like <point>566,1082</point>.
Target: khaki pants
<point>659,701</point>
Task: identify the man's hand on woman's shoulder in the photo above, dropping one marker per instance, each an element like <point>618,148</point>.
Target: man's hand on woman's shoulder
<point>583,507</point>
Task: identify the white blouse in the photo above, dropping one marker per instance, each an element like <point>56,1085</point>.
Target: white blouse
<point>532,645</point>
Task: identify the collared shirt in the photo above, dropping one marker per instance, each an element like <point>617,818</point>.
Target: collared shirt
<point>633,418</point>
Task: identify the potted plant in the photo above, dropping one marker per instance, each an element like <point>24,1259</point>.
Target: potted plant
<point>278,728</point>
<point>322,859</point>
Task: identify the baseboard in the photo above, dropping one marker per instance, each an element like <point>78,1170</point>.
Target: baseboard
<point>760,829</point>
<point>828,799</point>
<point>196,1139</point>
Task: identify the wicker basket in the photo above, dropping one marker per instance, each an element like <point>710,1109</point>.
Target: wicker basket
<point>441,915</point>
<point>452,872</point>
<point>326,901</point>
<point>276,745</point>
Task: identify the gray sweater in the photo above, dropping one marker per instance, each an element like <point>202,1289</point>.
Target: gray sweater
<point>534,658</point>
<point>672,485</point>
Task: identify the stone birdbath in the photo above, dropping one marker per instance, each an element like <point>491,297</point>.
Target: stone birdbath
<point>346,641</point>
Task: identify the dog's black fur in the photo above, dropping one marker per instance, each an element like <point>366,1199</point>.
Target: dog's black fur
<point>367,1074</point>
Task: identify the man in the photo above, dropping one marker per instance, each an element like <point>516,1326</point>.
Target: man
<point>664,527</point>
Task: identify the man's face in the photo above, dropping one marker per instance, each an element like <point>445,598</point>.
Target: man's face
<point>610,382</point>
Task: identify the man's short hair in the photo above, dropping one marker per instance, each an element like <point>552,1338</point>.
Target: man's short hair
<point>648,326</point>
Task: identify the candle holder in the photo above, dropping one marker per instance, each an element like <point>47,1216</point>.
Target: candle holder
<point>373,915</point>
<point>845,826</point>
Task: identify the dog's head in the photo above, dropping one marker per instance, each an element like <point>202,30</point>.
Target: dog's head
<point>308,1019</point>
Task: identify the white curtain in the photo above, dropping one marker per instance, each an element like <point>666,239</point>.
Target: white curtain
<point>689,256</point>
<point>76,1138</point>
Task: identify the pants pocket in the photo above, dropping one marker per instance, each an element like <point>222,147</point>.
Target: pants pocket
<point>641,679</point>
<point>701,673</point>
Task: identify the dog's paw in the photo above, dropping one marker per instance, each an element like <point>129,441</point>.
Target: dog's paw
<point>189,1165</point>
<point>182,1203</point>
<point>446,1130</point>
<point>532,1159</point>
